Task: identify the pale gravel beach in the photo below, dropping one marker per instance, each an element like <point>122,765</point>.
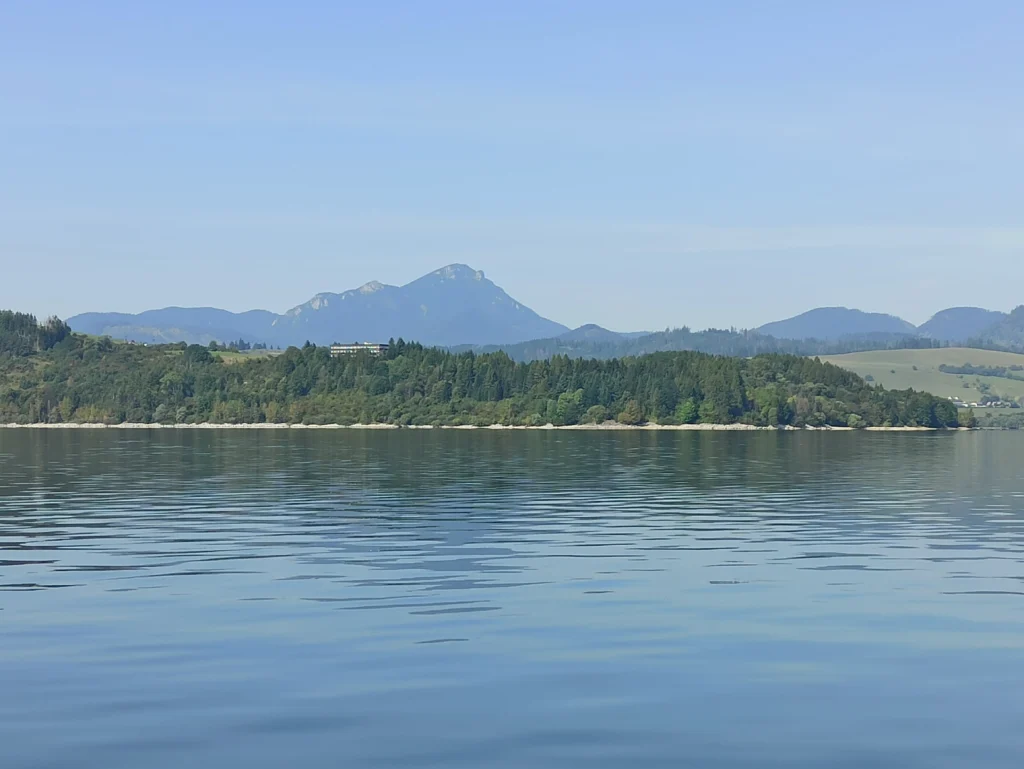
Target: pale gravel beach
<point>605,426</point>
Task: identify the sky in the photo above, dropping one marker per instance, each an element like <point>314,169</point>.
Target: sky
<point>639,165</point>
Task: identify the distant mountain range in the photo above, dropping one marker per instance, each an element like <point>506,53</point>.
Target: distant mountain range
<point>451,306</point>
<point>823,331</point>
<point>595,342</point>
<point>456,306</point>
<point>956,324</point>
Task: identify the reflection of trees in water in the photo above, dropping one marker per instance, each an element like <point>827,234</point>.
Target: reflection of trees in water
<point>423,462</point>
<point>453,488</point>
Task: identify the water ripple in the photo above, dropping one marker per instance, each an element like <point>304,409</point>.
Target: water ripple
<point>525,599</point>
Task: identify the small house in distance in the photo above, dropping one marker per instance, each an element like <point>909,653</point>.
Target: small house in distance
<point>374,348</point>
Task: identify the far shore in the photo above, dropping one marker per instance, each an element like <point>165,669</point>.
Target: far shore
<point>380,426</point>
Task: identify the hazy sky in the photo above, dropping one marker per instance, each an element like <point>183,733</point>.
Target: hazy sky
<point>638,165</point>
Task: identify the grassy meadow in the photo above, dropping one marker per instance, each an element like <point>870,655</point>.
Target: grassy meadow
<point>234,356</point>
<point>919,369</point>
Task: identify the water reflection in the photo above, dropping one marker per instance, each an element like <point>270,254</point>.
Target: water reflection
<point>429,598</point>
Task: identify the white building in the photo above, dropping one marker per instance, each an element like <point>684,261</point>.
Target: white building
<point>374,348</point>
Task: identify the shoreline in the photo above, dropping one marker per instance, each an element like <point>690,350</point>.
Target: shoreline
<point>650,427</point>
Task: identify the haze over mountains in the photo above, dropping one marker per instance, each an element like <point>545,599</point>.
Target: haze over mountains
<point>458,306</point>
<point>953,325</point>
<point>835,323</point>
<point>827,330</point>
<point>453,305</point>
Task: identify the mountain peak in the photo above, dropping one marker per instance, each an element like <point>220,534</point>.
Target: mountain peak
<point>590,332</point>
<point>449,306</point>
<point>459,271</point>
<point>318,301</point>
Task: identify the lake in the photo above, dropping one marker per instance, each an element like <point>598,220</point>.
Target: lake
<point>510,599</point>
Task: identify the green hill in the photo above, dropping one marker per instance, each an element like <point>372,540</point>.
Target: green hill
<point>919,369</point>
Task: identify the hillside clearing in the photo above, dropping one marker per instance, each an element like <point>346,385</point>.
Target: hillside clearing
<point>895,370</point>
<point>235,356</point>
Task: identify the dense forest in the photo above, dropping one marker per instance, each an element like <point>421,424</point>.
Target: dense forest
<point>88,379</point>
<point>21,334</point>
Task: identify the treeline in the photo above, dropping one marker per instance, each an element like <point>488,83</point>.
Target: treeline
<point>238,345</point>
<point>85,379</point>
<point>21,334</point>
<point>744,344</point>
<point>1003,372</point>
<point>1000,420</point>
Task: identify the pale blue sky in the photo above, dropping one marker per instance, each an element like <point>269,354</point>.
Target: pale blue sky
<point>637,165</point>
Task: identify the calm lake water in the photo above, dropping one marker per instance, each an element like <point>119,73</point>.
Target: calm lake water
<point>465,599</point>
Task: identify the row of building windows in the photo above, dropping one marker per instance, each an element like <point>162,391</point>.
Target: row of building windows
<point>373,348</point>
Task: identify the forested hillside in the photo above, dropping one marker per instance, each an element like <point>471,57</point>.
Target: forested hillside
<point>85,379</point>
<point>833,323</point>
<point>1007,334</point>
<point>21,334</point>
<point>713,341</point>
